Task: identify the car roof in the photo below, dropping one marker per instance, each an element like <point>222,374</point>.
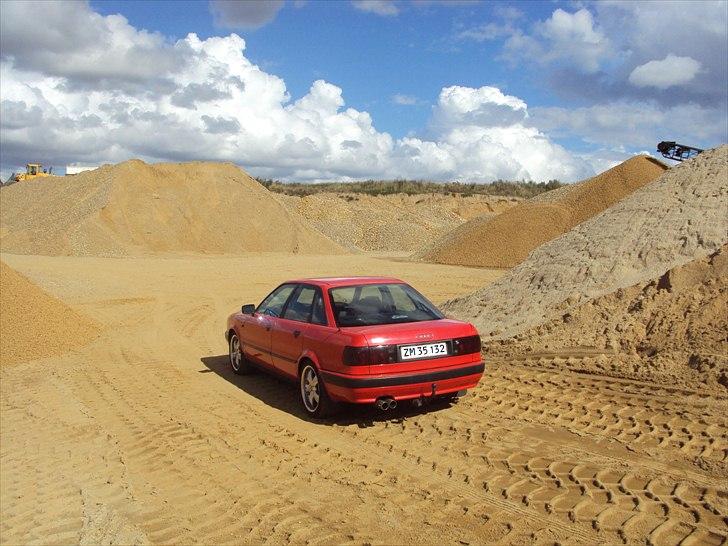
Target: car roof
<point>331,282</point>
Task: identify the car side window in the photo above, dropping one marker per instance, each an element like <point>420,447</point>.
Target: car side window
<point>273,304</point>
<point>299,308</point>
<point>318,315</point>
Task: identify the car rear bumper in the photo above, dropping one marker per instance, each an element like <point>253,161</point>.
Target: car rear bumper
<point>403,386</point>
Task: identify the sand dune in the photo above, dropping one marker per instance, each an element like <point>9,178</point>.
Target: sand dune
<point>134,208</point>
<point>505,240</point>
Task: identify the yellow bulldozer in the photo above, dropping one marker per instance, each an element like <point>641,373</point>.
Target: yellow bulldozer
<point>32,170</point>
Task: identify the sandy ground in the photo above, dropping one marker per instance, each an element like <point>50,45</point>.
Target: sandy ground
<point>144,436</point>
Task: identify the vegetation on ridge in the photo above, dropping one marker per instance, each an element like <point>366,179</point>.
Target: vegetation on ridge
<point>414,187</point>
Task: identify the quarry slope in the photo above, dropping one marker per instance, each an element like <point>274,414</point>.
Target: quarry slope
<point>505,240</point>
<point>392,223</point>
<point>135,208</point>
<point>679,217</point>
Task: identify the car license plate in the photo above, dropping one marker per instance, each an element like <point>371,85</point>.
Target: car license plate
<point>422,351</point>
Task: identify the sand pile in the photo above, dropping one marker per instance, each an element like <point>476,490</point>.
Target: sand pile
<point>34,324</point>
<point>506,239</point>
<point>671,328</point>
<point>680,217</point>
<point>136,208</point>
<point>391,223</point>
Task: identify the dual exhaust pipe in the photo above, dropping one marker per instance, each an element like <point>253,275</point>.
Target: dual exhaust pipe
<point>386,403</point>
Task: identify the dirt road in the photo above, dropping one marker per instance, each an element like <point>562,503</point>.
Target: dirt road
<point>144,436</point>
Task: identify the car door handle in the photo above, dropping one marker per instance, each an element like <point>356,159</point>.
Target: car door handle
<point>267,328</point>
<point>296,333</point>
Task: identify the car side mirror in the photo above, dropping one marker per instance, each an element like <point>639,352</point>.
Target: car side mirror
<point>248,309</point>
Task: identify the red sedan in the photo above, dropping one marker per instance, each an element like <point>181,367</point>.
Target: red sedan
<point>365,340</point>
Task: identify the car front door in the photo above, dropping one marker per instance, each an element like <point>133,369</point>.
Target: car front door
<point>256,335</point>
<point>291,329</point>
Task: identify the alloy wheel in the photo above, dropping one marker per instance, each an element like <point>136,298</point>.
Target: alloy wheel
<point>236,357</point>
<point>310,389</point>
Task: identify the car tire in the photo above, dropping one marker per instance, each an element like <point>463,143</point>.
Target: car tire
<point>238,362</point>
<point>312,392</point>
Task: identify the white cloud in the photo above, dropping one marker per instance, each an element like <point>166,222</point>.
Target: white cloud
<point>634,124</point>
<point>591,53</point>
<point>670,71</point>
<point>483,107</point>
<point>617,58</point>
<point>79,44</point>
<point>405,100</point>
<point>385,8</point>
<point>481,135</point>
<point>244,14</point>
<point>571,38</point>
<point>215,104</point>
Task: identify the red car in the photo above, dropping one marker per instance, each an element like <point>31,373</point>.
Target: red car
<point>366,340</point>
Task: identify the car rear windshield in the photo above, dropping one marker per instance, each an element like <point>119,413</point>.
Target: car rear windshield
<point>370,304</point>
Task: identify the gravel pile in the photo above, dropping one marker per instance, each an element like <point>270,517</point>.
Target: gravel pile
<point>34,324</point>
<point>505,240</point>
<point>391,223</point>
<point>669,329</point>
<point>134,208</point>
<point>680,217</point>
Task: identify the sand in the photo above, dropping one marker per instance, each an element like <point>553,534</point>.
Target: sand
<point>392,223</point>
<point>506,240</point>
<point>679,217</point>
<point>34,324</point>
<point>153,440</point>
<point>134,208</point>
<point>143,435</point>
<point>670,329</point>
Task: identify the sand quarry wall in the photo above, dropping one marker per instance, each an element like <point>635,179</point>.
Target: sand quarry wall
<point>679,217</point>
<point>505,240</point>
<point>34,324</point>
<point>136,208</point>
<point>391,223</point>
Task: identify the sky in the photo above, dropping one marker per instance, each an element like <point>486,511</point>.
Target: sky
<point>312,90</point>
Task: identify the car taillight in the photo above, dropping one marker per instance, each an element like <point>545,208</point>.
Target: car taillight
<point>355,356</point>
<point>383,354</point>
<point>364,356</point>
<point>466,345</point>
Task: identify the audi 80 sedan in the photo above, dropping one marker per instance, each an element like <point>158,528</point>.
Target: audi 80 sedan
<point>363,340</point>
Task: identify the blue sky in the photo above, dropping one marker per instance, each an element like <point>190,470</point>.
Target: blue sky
<point>313,90</point>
